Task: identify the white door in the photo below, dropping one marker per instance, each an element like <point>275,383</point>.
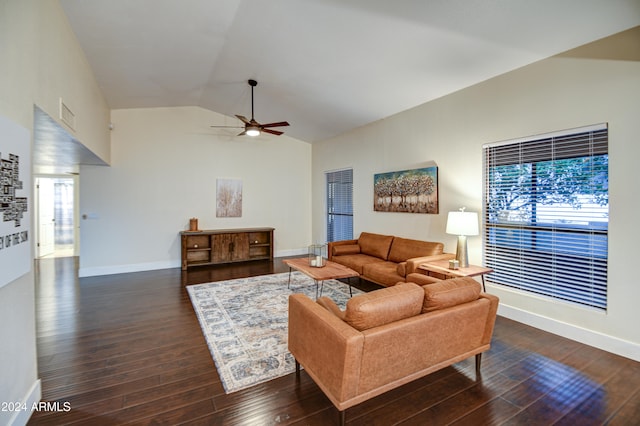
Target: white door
<point>46,218</point>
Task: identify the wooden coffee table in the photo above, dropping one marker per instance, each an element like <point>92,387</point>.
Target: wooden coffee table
<point>330,271</point>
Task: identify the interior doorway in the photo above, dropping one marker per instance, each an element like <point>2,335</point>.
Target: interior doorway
<point>56,216</point>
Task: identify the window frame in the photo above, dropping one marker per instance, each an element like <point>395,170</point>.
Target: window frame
<point>339,205</point>
<point>565,261</point>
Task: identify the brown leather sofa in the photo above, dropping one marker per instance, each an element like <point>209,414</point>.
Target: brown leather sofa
<point>388,337</point>
<point>385,259</point>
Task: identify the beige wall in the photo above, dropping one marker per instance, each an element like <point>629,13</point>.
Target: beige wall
<point>594,84</point>
<point>41,62</point>
<point>165,162</point>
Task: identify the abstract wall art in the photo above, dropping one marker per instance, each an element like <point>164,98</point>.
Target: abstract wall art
<point>406,191</point>
<point>229,198</point>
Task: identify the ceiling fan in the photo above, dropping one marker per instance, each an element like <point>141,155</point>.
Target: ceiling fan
<point>252,127</point>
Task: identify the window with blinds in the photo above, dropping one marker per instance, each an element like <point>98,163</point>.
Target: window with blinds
<point>546,214</point>
<point>340,205</point>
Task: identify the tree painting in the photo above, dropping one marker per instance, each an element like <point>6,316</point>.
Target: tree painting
<point>409,191</point>
<point>229,198</point>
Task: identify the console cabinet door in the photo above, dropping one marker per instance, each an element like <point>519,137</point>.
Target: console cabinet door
<point>230,247</point>
<point>221,250</point>
<point>240,247</point>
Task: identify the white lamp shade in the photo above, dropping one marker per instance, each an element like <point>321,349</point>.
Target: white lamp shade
<point>462,223</point>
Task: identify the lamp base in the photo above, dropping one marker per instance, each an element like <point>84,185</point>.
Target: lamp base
<point>461,251</point>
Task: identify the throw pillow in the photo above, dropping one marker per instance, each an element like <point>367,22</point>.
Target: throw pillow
<point>330,306</point>
<point>341,250</point>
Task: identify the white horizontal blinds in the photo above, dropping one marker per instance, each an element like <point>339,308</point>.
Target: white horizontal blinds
<point>340,205</point>
<point>546,214</point>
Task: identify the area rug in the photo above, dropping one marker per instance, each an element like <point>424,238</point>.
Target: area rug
<point>245,324</point>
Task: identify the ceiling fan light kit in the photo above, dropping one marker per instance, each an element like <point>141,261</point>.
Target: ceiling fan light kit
<point>252,131</point>
<point>252,127</point>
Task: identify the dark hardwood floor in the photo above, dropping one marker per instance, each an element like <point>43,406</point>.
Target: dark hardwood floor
<point>128,348</point>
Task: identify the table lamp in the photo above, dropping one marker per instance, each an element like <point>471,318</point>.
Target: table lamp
<point>462,224</point>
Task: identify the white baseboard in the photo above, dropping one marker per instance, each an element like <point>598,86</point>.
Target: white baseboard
<point>21,417</point>
<point>588,337</point>
<point>139,267</point>
<point>122,269</point>
<point>292,252</point>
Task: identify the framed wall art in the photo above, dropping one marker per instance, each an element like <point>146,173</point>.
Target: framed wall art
<point>406,191</point>
<point>229,198</point>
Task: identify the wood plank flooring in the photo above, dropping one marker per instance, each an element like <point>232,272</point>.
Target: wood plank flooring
<point>127,349</point>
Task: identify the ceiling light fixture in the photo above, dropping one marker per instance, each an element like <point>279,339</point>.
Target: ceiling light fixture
<point>252,131</point>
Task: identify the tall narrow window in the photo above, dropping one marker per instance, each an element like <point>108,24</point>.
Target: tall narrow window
<point>546,214</point>
<point>340,205</point>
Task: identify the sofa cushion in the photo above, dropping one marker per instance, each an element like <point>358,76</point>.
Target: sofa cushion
<point>403,249</point>
<point>356,261</point>
<point>384,306</point>
<point>448,293</point>
<point>375,244</point>
<point>384,273</point>
<point>342,250</point>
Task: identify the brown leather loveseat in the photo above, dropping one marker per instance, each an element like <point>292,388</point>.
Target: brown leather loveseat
<point>385,259</point>
<point>388,337</point>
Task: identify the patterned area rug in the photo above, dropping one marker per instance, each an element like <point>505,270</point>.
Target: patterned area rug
<point>245,324</point>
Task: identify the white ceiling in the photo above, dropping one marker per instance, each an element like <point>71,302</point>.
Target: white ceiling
<point>326,66</point>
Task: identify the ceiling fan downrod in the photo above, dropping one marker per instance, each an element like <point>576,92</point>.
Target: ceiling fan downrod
<point>252,83</point>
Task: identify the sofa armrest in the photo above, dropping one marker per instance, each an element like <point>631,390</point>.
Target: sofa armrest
<point>421,279</point>
<point>413,263</point>
<point>493,312</point>
<point>328,348</point>
<point>332,244</point>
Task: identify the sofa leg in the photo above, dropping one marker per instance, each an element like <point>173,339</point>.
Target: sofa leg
<point>478,362</point>
<point>297,368</point>
<point>341,420</point>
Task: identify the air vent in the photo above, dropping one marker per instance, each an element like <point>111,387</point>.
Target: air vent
<point>67,116</point>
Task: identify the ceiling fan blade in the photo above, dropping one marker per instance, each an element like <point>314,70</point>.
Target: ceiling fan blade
<point>243,119</point>
<point>278,124</point>
<point>273,132</point>
<point>242,134</point>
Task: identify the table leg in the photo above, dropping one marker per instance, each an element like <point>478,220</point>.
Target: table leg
<point>289,283</point>
<point>483,287</point>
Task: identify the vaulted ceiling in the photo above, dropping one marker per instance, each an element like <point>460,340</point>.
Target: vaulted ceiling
<point>326,66</point>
